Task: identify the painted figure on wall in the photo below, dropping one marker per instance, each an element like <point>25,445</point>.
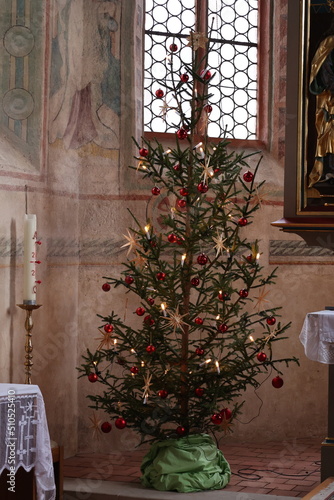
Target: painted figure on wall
<point>322,85</point>
<point>85,75</point>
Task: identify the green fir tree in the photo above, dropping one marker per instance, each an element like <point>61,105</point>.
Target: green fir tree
<point>203,332</point>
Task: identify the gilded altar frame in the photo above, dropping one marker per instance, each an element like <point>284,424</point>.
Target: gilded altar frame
<point>315,18</point>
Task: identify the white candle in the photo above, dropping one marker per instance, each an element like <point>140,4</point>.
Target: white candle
<point>29,263</point>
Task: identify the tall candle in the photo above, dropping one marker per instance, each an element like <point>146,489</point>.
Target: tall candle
<point>29,263</point>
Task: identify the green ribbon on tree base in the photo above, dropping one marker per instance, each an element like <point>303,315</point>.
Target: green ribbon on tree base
<point>191,463</point>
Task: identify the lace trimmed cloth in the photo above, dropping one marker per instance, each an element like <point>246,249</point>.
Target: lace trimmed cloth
<point>25,440</point>
<point>317,336</point>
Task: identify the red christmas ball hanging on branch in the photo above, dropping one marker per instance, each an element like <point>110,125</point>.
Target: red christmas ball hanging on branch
<point>248,176</point>
<point>277,382</point>
<point>140,311</point>
<point>108,328</point>
<point>150,349</point>
<point>208,108</point>
<point>92,377</point>
<point>155,191</point>
<point>199,351</point>
<point>271,320</point>
<point>159,93</point>
<point>134,370</point>
<point>173,47</point>
<point>182,133</point>
<point>205,74</point>
<point>163,394</point>
<point>149,320</point>
<point>243,221</point>
<point>172,238</point>
<point>161,276</point>
<point>243,293</point>
<point>202,259</point>
<point>129,279</point>
<point>106,427</point>
<point>227,413</point>
<point>199,391</point>
<point>223,328</point>
<point>261,356</point>
<point>181,203</point>
<point>216,418</point>
<point>106,287</point>
<point>120,423</point>
<point>195,281</point>
<point>143,152</point>
<point>184,77</point>
<point>181,431</point>
<point>202,188</point>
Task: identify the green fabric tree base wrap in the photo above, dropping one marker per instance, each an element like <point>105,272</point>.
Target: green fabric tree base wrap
<point>191,463</point>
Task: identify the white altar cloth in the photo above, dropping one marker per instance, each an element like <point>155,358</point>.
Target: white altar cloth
<point>25,440</point>
<point>317,336</point>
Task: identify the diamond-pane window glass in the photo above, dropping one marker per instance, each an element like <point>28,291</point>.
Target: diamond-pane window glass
<point>233,58</point>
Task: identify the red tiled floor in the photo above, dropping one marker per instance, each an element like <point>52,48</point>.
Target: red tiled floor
<point>291,468</point>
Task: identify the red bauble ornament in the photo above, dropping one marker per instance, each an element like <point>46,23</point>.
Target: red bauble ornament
<point>248,176</point>
<point>140,311</point>
<point>149,320</point>
<point>177,167</point>
<point>202,188</point>
<point>106,287</point>
<point>108,328</point>
<point>243,293</point>
<point>202,259</point>
<point>227,413</point>
<point>271,320</point>
<point>184,77</point>
<point>162,394</point>
<point>92,377</point>
<point>172,238</point>
<point>199,391</point>
<point>159,93</point>
<point>216,418</point>
<point>181,431</point>
<point>205,74</point>
<point>179,241</point>
<point>261,356</point>
<point>223,328</point>
<point>277,382</point>
<point>150,349</point>
<point>134,370</point>
<point>128,279</point>
<point>243,221</point>
<point>208,108</point>
<point>161,276</point>
<point>155,191</point>
<point>195,281</point>
<point>199,321</point>
<point>199,351</point>
<point>182,133</point>
<point>106,427</point>
<point>150,300</point>
<point>173,47</point>
<point>143,152</point>
<point>120,423</point>
<point>184,191</point>
<point>250,258</point>
<point>181,203</point>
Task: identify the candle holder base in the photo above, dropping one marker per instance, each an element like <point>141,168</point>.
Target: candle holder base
<point>29,308</point>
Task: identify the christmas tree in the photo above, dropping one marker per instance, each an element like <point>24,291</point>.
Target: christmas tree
<point>203,331</point>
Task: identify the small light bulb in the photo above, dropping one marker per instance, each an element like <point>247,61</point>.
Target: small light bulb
<point>183,258</point>
<point>217,366</point>
<point>163,308</point>
<point>147,231</point>
<point>251,338</point>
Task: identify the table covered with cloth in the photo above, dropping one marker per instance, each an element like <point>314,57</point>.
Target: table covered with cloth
<point>25,440</point>
<point>317,336</point>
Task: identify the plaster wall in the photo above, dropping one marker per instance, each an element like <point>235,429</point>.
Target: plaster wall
<point>80,189</point>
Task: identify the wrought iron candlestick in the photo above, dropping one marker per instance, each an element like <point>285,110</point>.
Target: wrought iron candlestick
<point>28,346</point>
